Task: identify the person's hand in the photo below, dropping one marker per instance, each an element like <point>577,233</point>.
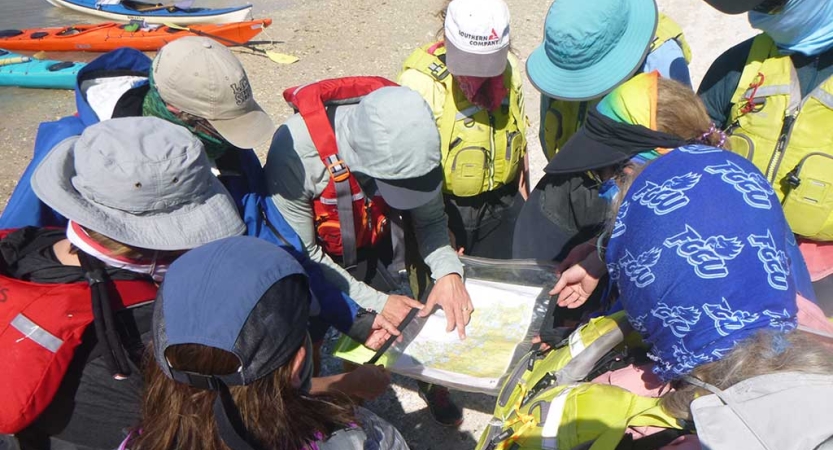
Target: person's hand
<point>542,346</point>
<point>577,254</point>
<point>450,293</point>
<point>577,283</point>
<point>366,382</point>
<point>381,330</point>
<point>397,307</point>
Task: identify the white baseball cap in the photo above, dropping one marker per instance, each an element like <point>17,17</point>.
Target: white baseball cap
<point>202,77</point>
<point>477,37</point>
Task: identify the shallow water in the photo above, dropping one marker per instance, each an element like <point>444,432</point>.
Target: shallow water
<point>18,14</point>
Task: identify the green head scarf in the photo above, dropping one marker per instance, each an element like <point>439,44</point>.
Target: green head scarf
<point>154,106</point>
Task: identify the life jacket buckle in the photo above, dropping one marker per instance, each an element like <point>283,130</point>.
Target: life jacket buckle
<point>338,168</point>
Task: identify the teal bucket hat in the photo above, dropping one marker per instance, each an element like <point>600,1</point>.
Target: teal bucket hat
<point>590,47</point>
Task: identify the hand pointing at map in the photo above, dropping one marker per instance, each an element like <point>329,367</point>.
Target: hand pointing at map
<point>451,295</point>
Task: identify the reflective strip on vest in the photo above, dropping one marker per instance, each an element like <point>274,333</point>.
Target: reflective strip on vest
<point>824,97</point>
<point>474,109</point>
<point>34,332</point>
<point>549,432</point>
<point>768,91</point>
<point>576,344</point>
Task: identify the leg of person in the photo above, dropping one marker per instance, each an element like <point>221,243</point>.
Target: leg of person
<point>442,409</point>
<point>488,221</point>
<point>561,212</point>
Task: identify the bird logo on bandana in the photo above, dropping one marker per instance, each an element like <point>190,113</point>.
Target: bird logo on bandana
<point>639,269</point>
<point>707,256</point>
<point>668,196</point>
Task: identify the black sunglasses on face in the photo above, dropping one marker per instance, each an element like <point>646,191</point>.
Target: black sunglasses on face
<point>771,6</point>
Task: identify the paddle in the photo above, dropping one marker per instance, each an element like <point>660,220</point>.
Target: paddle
<point>279,58</point>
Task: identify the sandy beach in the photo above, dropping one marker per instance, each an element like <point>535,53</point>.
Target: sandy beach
<point>336,38</point>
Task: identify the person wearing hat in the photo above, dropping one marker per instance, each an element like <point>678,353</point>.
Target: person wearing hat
<point>589,48</point>
<point>771,93</point>
<point>637,122</point>
<point>137,193</point>
<point>474,87</point>
<point>235,358</point>
<point>389,140</point>
<point>706,281</point>
<point>701,259</point>
<point>213,99</point>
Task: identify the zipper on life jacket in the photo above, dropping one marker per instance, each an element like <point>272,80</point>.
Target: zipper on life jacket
<point>491,149</point>
<point>781,145</point>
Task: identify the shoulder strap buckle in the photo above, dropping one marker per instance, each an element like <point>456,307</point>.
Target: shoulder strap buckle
<point>337,168</point>
<point>439,71</point>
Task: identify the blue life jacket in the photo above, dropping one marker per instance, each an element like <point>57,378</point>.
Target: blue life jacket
<point>245,182</point>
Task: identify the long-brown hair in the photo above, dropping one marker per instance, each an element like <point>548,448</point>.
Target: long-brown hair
<point>276,415</point>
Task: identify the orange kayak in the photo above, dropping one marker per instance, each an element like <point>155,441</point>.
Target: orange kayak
<point>110,36</point>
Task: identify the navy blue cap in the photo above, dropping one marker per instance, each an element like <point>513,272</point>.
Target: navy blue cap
<point>242,295</point>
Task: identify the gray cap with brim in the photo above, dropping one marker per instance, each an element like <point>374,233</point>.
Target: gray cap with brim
<point>411,193</point>
<point>141,181</point>
<point>464,64</point>
<point>392,137</point>
<point>203,78</point>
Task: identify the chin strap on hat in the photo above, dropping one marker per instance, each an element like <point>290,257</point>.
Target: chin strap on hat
<point>226,414</point>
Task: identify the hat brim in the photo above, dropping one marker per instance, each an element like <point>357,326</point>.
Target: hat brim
<point>464,64</point>
<point>734,6</point>
<point>190,226</point>
<point>247,131</point>
<point>411,193</point>
<point>582,153</point>
<point>596,80</point>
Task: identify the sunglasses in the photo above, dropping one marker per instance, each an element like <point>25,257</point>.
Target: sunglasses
<point>771,6</point>
<point>200,125</point>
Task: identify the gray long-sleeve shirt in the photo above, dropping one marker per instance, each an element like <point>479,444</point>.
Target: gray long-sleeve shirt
<point>295,176</point>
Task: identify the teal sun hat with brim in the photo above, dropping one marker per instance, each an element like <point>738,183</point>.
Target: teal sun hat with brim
<point>590,47</point>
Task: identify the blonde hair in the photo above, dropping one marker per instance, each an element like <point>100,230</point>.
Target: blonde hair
<point>116,248</point>
<point>681,112</point>
<point>767,352</point>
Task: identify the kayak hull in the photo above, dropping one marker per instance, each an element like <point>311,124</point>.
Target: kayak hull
<point>37,73</point>
<point>110,36</point>
<point>190,16</point>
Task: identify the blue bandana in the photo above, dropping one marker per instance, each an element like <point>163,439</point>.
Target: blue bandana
<point>699,252</point>
<point>803,26</point>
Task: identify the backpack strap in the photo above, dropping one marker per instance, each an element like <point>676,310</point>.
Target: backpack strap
<point>311,102</point>
<point>652,442</point>
<point>653,416</point>
<point>103,318</point>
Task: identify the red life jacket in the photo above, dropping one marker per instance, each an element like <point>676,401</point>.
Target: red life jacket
<point>343,197</point>
<point>40,327</point>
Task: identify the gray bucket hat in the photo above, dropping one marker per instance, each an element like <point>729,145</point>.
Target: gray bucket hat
<point>141,181</point>
<point>393,138</point>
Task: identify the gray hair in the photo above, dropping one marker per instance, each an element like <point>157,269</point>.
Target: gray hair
<point>767,352</point>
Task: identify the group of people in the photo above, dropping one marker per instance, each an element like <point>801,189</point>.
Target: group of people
<point>161,289</point>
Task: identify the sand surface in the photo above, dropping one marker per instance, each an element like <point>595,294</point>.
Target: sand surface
<point>361,37</point>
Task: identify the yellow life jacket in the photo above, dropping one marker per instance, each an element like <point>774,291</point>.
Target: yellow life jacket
<point>481,150</point>
<point>548,403</point>
<point>561,119</point>
<point>787,137</point>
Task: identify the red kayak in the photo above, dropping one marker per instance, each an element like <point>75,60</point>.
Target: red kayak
<point>110,36</point>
